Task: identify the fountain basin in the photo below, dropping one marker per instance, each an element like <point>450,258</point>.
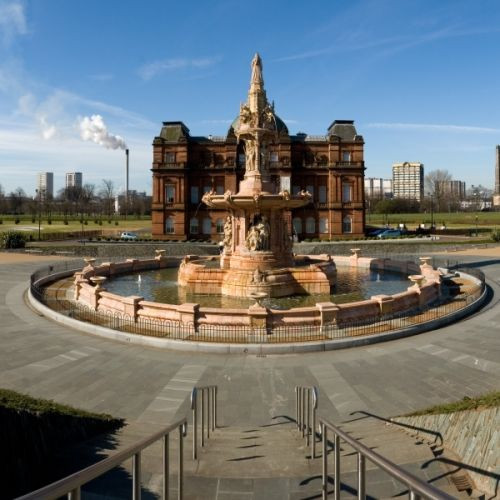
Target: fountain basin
<point>309,275</point>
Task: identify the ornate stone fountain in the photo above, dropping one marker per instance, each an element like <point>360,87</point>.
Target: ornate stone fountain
<point>257,254</point>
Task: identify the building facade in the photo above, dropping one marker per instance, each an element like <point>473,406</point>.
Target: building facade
<point>378,188</point>
<point>45,184</point>
<point>408,181</point>
<point>74,179</point>
<point>454,189</point>
<point>330,167</point>
<point>496,193</point>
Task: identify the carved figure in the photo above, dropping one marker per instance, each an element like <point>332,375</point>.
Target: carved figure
<point>264,230</point>
<point>228,233</point>
<point>245,114</point>
<point>251,153</point>
<point>257,70</point>
<point>268,119</point>
<point>285,194</point>
<point>258,277</point>
<point>252,239</point>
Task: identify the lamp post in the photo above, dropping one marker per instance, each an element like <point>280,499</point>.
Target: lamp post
<point>38,195</point>
<point>476,225</point>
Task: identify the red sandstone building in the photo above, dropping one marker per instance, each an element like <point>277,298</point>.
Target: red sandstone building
<point>330,167</point>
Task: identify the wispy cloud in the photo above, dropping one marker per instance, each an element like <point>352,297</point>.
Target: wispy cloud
<point>154,68</point>
<point>430,127</point>
<point>12,20</point>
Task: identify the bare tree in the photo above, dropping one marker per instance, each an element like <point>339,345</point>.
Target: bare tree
<point>87,196</point>
<point>17,199</point>
<point>107,193</point>
<point>436,186</point>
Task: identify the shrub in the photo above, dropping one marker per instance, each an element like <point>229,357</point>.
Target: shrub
<point>32,219</point>
<point>116,223</point>
<point>495,234</point>
<point>86,222</point>
<point>65,222</point>
<point>17,220</point>
<point>109,222</point>
<point>1,221</point>
<point>13,239</point>
<point>49,221</point>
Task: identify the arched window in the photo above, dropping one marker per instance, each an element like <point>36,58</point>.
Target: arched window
<point>347,224</point>
<point>323,225</point>
<point>194,226</point>
<point>207,225</point>
<point>310,225</point>
<point>346,192</point>
<point>169,225</point>
<point>219,225</point>
<point>297,225</point>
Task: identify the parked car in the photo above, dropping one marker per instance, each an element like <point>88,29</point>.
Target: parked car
<point>128,236</point>
<point>376,232</point>
<point>390,233</point>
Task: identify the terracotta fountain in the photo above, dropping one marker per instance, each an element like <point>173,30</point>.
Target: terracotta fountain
<point>257,254</point>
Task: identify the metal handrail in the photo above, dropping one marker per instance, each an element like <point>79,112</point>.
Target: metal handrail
<point>208,393</point>
<point>71,485</point>
<point>416,487</point>
<point>306,405</point>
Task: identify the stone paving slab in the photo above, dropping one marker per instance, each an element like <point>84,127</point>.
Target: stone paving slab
<point>41,358</point>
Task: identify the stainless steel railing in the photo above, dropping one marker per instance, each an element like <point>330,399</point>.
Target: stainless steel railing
<point>416,488</point>
<point>306,405</point>
<point>71,485</point>
<point>208,413</point>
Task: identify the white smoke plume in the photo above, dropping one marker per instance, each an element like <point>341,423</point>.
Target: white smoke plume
<point>94,129</point>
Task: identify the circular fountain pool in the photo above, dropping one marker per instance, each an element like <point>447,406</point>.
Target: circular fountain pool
<point>351,285</point>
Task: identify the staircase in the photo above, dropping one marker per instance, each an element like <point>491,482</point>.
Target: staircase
<point>267,461</point>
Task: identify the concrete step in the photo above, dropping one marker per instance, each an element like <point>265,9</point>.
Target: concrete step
<point>260,462</point>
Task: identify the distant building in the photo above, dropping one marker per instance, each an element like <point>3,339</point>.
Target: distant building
<point>45,184</point>
<point>378,188</point>
<point>408,180</point>
<point>74,179</point>
<point>455,189</point>
<point>496,194</point>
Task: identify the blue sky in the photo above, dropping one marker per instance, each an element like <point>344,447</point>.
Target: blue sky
<point>420,78</point>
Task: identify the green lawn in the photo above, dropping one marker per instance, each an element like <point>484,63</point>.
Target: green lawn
<point>489,400</point>
<point>26,225</point>
<point>458,220</point>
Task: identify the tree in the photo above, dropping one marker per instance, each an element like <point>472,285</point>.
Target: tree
<point>435,186</point>
<point>17,199</point>
<point>107,193</point>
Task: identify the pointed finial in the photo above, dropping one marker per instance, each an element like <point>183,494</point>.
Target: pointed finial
<point>257,70</point>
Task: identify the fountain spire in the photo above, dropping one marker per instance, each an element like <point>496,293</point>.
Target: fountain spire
<point>257,99</point>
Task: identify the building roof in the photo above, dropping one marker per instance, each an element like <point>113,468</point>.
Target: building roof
<point>174,131</point>
<point>344,129</point>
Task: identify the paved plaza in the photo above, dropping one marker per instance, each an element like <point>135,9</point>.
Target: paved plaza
<point>148,386</point>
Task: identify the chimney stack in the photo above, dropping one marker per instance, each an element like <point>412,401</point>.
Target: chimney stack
<point>496,194</point>
<point>126,187</point>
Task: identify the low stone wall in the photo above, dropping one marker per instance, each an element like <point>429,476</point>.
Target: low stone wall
<point>257,317</point>
<point>472,435</point>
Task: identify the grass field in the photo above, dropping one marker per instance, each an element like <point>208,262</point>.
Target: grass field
<point>450,220</point>
<point>26,225</point>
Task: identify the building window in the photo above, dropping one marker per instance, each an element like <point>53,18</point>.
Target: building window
<point>322,194</point>
<point>285,183</point>
<point>347,224</point>
<point>169,157</point>
<point>219,189</point>
<point>295,189</point>
<point>169,194</point>
<point>346,192</point>
<point>346,156</point>
<point>169,225</point>
<point>297,225</point>
<point>193,226</point>
<point>310,189</point>
<point>273,157</point>
<point>207,189</point>
<point>219,225</point>
<point>195,194</point>
<point>310,225</point>
<point>207,225</point>
<point>241,159</point>
<point>323,225</point>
